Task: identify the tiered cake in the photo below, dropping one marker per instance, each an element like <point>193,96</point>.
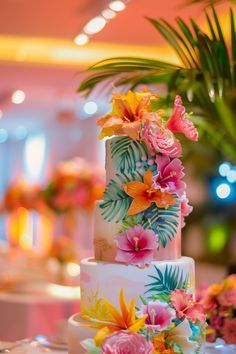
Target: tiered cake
<point>137,294</point>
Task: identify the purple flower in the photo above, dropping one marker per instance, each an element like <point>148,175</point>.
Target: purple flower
<point>160,315</point>
<point>169,175</point>
<point>126,342</point>
<point>136,246</point>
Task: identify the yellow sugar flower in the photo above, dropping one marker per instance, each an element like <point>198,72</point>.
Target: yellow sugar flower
<point>126,115</point>
<point>125,319</point>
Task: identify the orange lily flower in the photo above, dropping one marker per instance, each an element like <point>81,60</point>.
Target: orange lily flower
<point>116,320</point>
<point>126,115</point>
<point>144,195</point>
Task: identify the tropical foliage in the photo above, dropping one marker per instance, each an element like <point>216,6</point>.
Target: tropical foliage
<point>125,152</point>
<point>163,283</point>
<point>205,77</point>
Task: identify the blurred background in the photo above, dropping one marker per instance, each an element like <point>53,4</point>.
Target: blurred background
<point>51,162</point>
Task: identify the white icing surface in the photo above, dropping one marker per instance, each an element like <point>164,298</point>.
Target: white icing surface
<point>108,278</point>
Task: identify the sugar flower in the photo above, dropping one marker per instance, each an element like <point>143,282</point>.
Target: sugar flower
<point>180,335</point>
<point>136,246</point>
<point>126,342</point>
<point>159,138</point>
<point>144,194</point>
<point>186,209</point>
<point>179,123</point>
<point>160,315</point>
<point>169,175</point>
<point>116,320</point>
<point>126,115</point>
<point>186,307</point>
<point>229,330</point>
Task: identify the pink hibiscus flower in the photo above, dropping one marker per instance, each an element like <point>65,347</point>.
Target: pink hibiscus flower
<point>227,298</point>
<point>160,315</point>
<point>186,209</point>
<point>178,123</point>
<point>126,342</point>
<point>229,330</point>
<point>158,138</point>
<point>136,246</point>
<point>186,307</point>
<point>169,175</point>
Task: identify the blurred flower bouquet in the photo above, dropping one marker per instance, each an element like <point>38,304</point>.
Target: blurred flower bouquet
<point>219,302</point>
<point>21,194</point>
<point>75,184</point>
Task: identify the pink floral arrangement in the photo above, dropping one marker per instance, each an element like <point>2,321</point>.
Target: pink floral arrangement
<point>75,184</point>
<point>156,327</point>
<point>219,303</point>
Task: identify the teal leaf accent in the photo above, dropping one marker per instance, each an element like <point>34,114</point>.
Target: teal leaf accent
<point>116,202</point>
<point>131,221</point>
<point>164,283</point>
<point>164,222</point>
<point>126,152</point>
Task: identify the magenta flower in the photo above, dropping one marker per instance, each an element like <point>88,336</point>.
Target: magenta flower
<point>186,209</point>
<point>169,175</point>
<point>160,315</point>
<point>158,138</point>
<point>186,307</point>
<point>178,123</point>
<point>126,342</point>
<point>229,330</point>
<point>227,298</point>
<point>136,246</point>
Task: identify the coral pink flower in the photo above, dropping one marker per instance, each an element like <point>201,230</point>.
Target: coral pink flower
<point>227,297</point>
<point>169,175</point>
<point>216,322</point>
<point>136,246</point>
<point>229,330</point>
<point>160,315</point>
<point>178,123</point>
<point>158,138</point>
<point>126,342</point>
<point>209,303</point>
<point>186,209</point>
<point>186,307</point>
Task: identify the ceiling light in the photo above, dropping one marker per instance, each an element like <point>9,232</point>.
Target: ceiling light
<point>3,135</point>
<point>81,39</point>
<point>231,176</point>
<point>224,168</point>
<point>90,107</point>
<point>117,6</point>
<point>18,97</point>
<point>95,25</point>
<point>108,14</point>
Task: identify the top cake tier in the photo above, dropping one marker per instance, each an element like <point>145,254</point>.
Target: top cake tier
<point>145,202</point>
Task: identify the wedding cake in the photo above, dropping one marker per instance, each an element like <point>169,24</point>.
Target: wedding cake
<point>137,293</point>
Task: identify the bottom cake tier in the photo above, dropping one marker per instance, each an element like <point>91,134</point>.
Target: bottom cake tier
<point>105,280</point>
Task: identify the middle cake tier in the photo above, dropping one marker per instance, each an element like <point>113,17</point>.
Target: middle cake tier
<point>103,279</point>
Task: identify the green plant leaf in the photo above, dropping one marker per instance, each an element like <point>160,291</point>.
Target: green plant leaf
<point>126,152</point>
<point>163,283</point>
<point>164,222</point>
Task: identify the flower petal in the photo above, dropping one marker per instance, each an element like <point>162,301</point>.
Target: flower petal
<point>138,204</point>
<point>135,188</point>
<point>148,178</point>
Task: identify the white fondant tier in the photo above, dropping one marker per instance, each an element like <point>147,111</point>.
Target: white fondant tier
<point>106,279</point>
<point>103,279</point>
<point>105,247</point>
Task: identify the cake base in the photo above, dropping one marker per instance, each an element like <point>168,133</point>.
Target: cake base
<point>77,333</point>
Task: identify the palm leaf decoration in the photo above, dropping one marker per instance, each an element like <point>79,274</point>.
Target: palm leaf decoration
<point>126,152</point>
<point>164,222</point>
<point>206,77</point>
<point>116,202</point>
<point>163,283</point>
